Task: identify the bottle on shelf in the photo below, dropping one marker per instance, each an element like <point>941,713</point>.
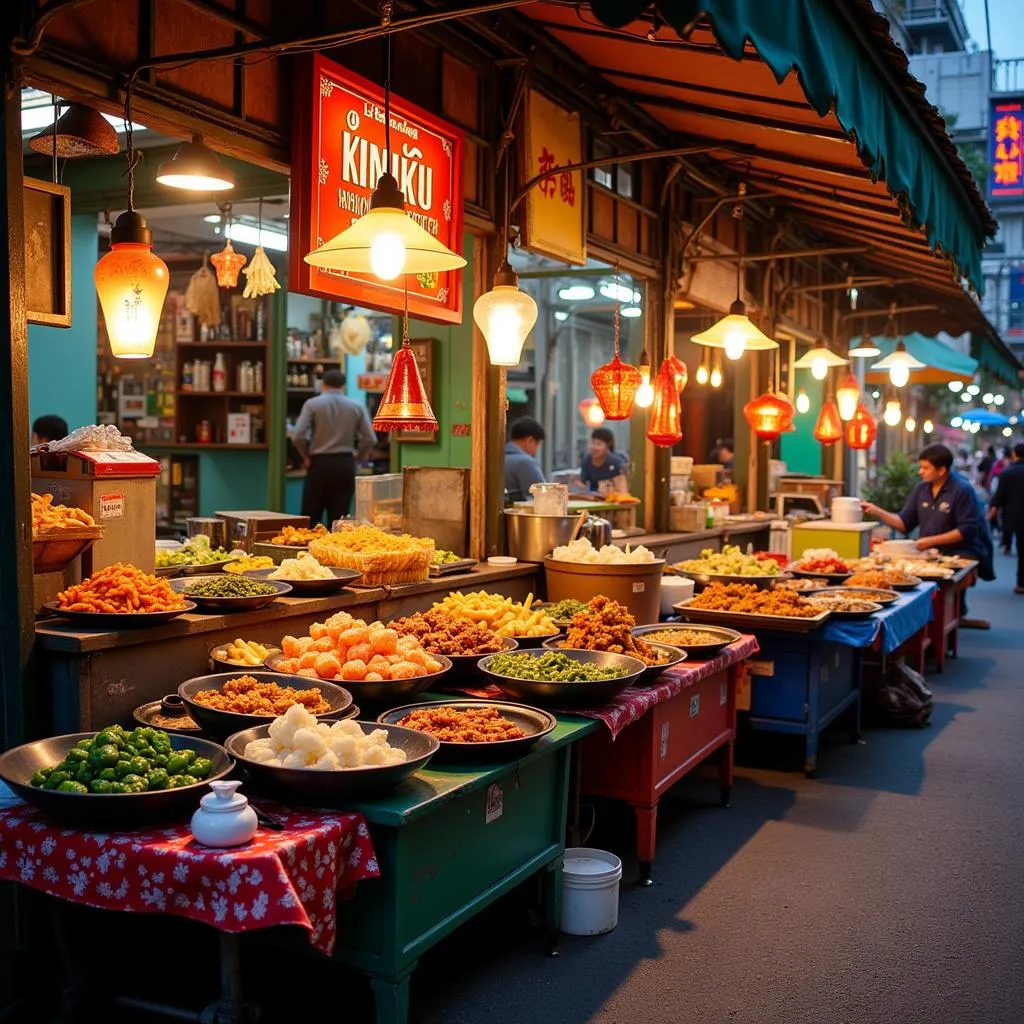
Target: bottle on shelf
<point>220,374</point>
<point>257,377</point>
<point>186,376</point>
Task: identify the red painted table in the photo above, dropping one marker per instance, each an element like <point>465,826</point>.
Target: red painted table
<point>944,632</point>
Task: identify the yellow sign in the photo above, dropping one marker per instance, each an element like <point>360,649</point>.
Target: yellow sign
<point>554,218</point>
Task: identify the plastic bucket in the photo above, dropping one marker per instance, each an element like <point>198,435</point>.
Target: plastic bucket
<point>590,891</point>
<point>637,585</point>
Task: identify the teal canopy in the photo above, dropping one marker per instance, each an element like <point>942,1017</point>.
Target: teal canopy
<point>943,363</point>
<point>898,135</point>
<point>994,357</point>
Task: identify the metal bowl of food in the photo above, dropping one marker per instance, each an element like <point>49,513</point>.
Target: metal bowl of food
<point>882,597</point>
<point>192,588</point>
<point>699,642</point>
<point>668,656</point>
<point>532,643</point>
<point>170,713</point>
<point>231,657</point>
<point>340,579</point>
<point>845,607</point>
<point>222,723</point>
<point>384,691</point>
<point>442,717</point>
<point>318,787</point>
<point>704,579</point>
<point>567,692</point>
<point>18,765</point>
<point>464,665</point>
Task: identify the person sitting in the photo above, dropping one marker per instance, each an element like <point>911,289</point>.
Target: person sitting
<point>49,428</point>
<point>521,466</point>
<point>602,462</point>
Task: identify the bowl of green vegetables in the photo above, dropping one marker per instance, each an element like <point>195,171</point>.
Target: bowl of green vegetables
<point>115,776</point>
<point>229,593</point>
<point>568,678</point>
<point>196,557</point>
<point>561,613</point>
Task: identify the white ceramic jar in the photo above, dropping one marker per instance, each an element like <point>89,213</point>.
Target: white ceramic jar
<point>224,817</point>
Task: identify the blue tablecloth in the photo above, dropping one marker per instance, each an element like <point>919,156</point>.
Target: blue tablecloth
<point>896,623</point>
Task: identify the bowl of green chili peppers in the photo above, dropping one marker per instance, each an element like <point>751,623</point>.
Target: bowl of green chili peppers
<point>115,776</point>
<point>228,592</point>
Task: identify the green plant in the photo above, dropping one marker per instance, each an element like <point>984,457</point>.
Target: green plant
<point>892,483</point>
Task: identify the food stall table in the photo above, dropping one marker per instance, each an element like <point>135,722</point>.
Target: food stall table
<point>944,633</point>
<point>803,682</point>
<point>291,876</point>
<point>449,842</point>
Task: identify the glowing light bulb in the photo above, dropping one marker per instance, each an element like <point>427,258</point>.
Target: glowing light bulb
<point>1007,432</point>
<point>716,378</point>
<point>387,255</point>
<point>928,427</point>
<point>899,375</point>
<point>803,402</point>
<point>644,396</point>
<point>702,374</point>
<point>999,399</point>
<point>956,386</point>
<point>819,369</point>
<point>893,413</point>
<point>735,345</point>
<point>911,424</point>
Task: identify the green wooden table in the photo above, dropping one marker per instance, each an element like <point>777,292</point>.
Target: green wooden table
<point>449,843</point>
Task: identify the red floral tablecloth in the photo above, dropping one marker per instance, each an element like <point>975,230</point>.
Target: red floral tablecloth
<point>288,877</point>
<point>635,701</point>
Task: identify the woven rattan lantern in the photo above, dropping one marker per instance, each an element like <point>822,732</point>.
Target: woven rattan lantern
<point>616,383</point>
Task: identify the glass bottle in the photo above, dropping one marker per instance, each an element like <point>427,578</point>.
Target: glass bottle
<point>220,375</point>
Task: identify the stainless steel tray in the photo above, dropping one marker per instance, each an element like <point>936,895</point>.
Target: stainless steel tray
<point>746,622</point>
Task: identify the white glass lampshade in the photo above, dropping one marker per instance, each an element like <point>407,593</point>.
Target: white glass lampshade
<point>899,363</point>
<point>865,348</point>
<point>505,316</point>
<point>735,333</point>
<point>819,360</point>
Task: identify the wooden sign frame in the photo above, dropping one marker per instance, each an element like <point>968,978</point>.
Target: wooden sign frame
<point>47,252</point>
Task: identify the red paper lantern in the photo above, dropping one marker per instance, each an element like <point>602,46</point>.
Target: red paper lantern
<point>680,371</point>
<point>769,415</point>
<point>665,429</point>
<point>862,430</point>
<point>615,385</point>
<point>591,411</point>
<point>829,427</point>
<point>404,405</point>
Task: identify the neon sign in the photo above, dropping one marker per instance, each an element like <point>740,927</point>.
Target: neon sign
<point>1006,149</point>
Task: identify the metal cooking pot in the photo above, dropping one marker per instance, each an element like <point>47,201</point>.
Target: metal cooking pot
<point>597,530</point>
<point>531,537</point>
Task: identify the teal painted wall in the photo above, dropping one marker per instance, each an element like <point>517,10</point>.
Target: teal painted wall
<point>800,452</point>
<point>452,385</point>
<point>233,480</point>
<point>62,361</point>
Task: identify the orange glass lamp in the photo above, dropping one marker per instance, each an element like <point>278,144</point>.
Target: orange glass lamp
<point>769,415</point>
<point>616,383</point>
<point>681,373</point>
<point>829,428</point>
<point>591,411</point>
<point>131,282</point>
<point>404,404</point>
<point>665,428</point>
<point>861,431</point>
<point>848,397</point>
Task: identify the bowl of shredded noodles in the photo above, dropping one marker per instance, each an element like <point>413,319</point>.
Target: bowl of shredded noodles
<point>306,576</point>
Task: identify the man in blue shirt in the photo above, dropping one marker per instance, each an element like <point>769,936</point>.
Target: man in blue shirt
<point>521,466</point>
<point>944,509</point>
<point>602,461</point>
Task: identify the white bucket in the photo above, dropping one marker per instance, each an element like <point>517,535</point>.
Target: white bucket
<point>846,510</point>
<point>590,891</point>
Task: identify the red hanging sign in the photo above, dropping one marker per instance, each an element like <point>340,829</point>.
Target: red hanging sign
<point>338,154</point>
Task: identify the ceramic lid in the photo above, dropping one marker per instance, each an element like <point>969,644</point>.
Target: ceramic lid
<point>223,798</point>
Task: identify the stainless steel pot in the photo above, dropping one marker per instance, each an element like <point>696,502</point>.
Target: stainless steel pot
<point>597,530</point>
<point>532,537</point>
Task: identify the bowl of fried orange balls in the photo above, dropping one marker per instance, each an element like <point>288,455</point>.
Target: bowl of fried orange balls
<point>374,662</point>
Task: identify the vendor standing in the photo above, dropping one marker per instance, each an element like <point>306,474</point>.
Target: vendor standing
<point>603,464</point>
<point>332,431</point>
<point>944,509</point>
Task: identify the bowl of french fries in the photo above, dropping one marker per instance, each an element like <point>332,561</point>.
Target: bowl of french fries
<point>241,654</point>
<point>526,622</point>
<point>60,533</point>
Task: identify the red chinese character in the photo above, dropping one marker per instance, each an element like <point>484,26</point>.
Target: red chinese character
<point>1008,127</point>
<point>546,162</point>
<point>567,188</point>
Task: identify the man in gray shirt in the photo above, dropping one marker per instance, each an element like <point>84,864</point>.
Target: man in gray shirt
<point>330,433</point>
<point>521,466</point>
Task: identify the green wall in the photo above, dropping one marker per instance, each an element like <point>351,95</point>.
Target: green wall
<point>62,361</point>
<point>800,452</point>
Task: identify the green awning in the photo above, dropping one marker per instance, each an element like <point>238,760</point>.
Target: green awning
<point>995,358</point>
<point>907,149</point>
<point>942,363</point>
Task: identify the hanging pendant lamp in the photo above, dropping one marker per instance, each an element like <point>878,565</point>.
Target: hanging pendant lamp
<point>505,316</point>
<point>829,428</point>
<point>769,415</point>
<point>704,370</point>
<point>385,241</point>
<point>681,373</point>
<point>644,397</point>
<point>893,413</point>
<point>196,168</point>
<point>819,360</point>
<point>899,363</point>
<point>591,411</point>
<point>616,383</point>
<point>861,431</point>
<point>665,428</point>
<point>848,397</point>
<point>803,402</point>
<point>131,280</point>
<point>228,265</point>
<point>865,348</point>
<point>716,378</point>
<point>79,131</point>
<point>404,404</point>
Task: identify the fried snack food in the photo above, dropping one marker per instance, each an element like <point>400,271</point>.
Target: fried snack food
<point>838,603</point>
<point>120,589</point>
<point>305,567</point>
<point>748,599</point>
<point>383,558</point>
<point>240,565</point>
<point>802,584</point>
<point>245,695</point>
<point>683,638</point>
<point>879,579</point>
<point>499,614</point>
<point>299,536</point>
<point>445,634</point>
<point>347,649</point>
<point>468,725</point>
<point>47,517</point>
<point>606,625</point>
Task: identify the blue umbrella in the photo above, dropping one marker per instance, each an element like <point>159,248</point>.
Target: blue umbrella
<point>985,418</point>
